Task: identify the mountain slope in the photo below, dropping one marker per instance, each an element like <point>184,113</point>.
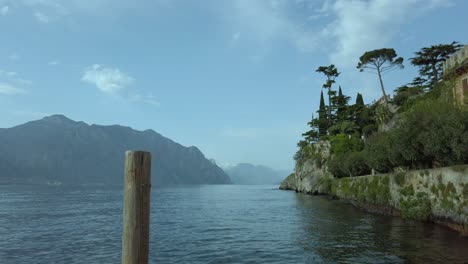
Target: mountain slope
<point>56,148</point>
<point>249,174</point>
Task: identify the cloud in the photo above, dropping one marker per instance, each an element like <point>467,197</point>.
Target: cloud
<point>8,89</point>
<point>113,81</point>
<point>4,10</point>
<point>271,20</point>
<point>360,25</point>
<point>41,18</point>
<point>148,99</point>
<point>108,80</point>
<point>12,79</point>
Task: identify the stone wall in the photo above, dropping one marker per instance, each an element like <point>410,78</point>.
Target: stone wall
<point>439,195</point>
<point>461,88</point>
<point>456,60</point>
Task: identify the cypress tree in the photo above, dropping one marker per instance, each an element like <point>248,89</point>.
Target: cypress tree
<point>341,102</point>
<point>361,115</point>
<point>359,100</point>
<point>322,119</point>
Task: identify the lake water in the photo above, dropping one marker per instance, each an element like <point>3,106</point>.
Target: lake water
<point>213,224</point>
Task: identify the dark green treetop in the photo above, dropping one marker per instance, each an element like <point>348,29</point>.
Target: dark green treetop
<point>331,72</point>
<point>322,119</point>
<point>430,61</point>
<point>380,61</point>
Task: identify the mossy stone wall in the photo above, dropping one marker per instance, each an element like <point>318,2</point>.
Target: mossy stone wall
<point>425,194</point>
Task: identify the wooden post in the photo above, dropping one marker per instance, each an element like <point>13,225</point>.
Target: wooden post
<point>136,207</point>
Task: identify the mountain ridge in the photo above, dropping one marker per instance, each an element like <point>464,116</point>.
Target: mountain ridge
<point>249,174</point>
<point>57,148</point>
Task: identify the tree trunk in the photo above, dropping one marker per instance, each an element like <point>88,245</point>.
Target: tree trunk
<point>435,78</point>
<point>382,86</point>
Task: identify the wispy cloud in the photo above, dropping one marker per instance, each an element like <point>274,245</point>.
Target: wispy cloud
<point>4,10</point>
<point>107,79</point>
<point>148,99</point>
<point>9,89</point>
<point>41,17</point>
<point>364,25</point>
<point>270,20</point>
<point>12,83</point>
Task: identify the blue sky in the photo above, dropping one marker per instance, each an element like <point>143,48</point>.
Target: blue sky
<point>234,78</point>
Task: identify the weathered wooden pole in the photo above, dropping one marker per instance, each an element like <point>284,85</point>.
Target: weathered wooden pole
<point>136,207</point>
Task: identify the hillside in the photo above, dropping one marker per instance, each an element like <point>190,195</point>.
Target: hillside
<point>59,149</point>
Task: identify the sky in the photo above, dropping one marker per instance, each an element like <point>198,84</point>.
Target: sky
<point>236,78</point>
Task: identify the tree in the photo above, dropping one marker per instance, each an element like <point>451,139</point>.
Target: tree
<point>341,106</point>
<point>380,61</point>
<point>331,73</point>
<point>322,119</point>
<point>359,100</point>
<point>360,113</point>
<point>430,61</point>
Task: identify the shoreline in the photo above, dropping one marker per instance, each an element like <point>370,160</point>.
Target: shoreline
<point>438,196</point>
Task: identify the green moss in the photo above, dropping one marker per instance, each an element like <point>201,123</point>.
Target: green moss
<point>441,187</point>
<point>465,191</point>
<point>426,172</point>
<point>334,187</point>
<point>434,190</point>
<point>439,178</point>
<point>448,196</point>
<point>447,204</point>
<point>378,190</point>
<point>407,191</point>
<point>416,207</point>
<point>344,187</point>
<point>373,190</point>
<point>400,178</point>
<point>451,188</point>
<point>325,184</point>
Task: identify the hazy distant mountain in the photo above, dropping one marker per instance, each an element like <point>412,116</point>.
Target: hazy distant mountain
<point>56,148</point>
<point>246,173</point>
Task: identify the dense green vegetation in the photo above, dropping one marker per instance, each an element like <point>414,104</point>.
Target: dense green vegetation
<point>419,128</point>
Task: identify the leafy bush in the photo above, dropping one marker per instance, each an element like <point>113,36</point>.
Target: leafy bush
<point>342,143</point>
<point>432,134</point>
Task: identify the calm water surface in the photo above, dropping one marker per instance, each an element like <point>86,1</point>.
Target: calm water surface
<point>213,224</point>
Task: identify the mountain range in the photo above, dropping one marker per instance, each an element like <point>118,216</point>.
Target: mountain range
<point>58,149</point>
<point>249,174</point>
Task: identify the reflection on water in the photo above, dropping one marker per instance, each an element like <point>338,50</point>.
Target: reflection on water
<point>345,234</point>
<point>213,224</point>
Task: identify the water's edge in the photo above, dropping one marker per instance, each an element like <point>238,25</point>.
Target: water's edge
<point>436,196</point>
